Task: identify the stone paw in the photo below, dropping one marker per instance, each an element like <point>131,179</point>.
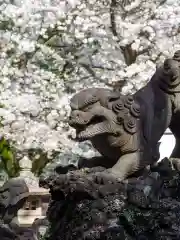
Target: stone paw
<point>105,177</point>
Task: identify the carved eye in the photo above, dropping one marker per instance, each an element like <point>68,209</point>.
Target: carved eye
<point>114,96</point>
<point>122,115</point>
<point>4,196</point>
<point>120,119</point>
<point>87,108</point>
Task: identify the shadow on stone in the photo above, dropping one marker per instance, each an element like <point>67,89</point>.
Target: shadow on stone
<point>147,207</point>
<point>13,195</point>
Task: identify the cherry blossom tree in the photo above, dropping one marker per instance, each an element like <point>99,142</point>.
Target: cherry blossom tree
<point>51,49</point>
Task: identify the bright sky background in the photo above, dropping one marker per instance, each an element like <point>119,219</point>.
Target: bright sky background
<point>167,144</point>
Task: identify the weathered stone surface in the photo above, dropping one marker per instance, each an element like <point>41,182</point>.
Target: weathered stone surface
<point>13,195</point>
<point>146,207</point>
<point>126,129</point>
<point>6,233</point>
<point>102,199</point>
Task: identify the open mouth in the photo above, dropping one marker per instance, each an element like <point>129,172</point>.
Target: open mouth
<point>91,129</point>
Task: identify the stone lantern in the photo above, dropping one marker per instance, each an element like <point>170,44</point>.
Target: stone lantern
<point>38,200</point>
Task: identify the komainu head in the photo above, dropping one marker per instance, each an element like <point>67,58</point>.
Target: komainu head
<point>91,113</point>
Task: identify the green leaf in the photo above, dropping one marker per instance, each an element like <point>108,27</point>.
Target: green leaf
<point>8,161</point>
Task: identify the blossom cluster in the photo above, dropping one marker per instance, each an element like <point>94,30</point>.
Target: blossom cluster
<point>50,49</point>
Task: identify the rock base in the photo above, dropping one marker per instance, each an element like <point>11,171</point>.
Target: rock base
<point>145,207</point>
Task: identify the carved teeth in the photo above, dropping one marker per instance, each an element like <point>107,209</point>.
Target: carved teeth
<point>93,130</point>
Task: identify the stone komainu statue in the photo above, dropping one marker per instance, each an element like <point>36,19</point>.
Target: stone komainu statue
<point>126,129</point>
